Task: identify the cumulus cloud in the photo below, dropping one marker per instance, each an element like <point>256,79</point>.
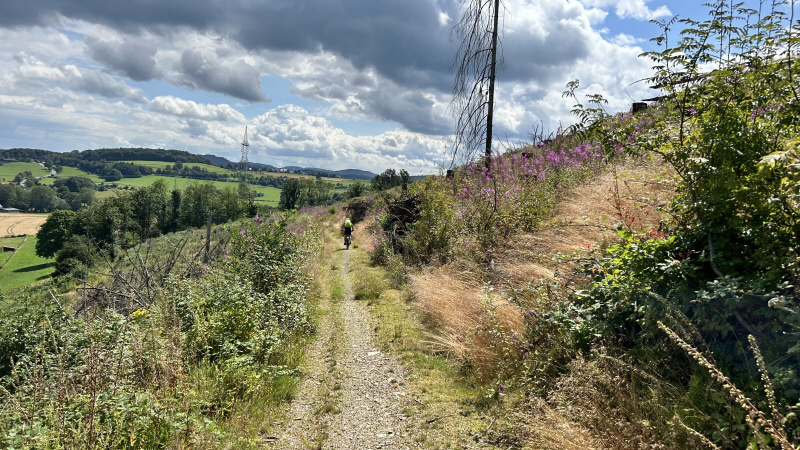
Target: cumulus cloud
<point>290,133</point>
<point>32,70</point>
<point>353,60</point>
<point>203,70</point>
<point>192,110</point>
<point>636,9</point>
<point>131,57</point>
<point>626,39</point>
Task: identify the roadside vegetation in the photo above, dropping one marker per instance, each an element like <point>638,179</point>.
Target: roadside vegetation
<point>682,330</point>
<point>165,346</point>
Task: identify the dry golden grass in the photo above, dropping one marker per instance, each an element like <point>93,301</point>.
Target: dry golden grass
<point>452,297</point>
<point>544,428</point>
<point>453,301</point>
<point>586,218</point>
<point>461,316</point>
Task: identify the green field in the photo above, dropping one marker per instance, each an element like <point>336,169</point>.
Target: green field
<point>71,172</point>
<point>9,242</point>
<point>9,170</point>
<point>271,195</point>
<point>24,267</point>
<point>162,165</point>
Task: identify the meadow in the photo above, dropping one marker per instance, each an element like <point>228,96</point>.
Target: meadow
<point>271,194</point>
<point>24,267</point>
<point>9,170</point>
<point>164,164</point>
<point>9,242</point>
<point>71,172</point>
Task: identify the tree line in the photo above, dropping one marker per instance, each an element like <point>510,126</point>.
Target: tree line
<point>79,238</point>
<point>28,195</point>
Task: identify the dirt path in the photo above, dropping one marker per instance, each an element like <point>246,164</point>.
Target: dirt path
<point>352,394</point>
<point>372,392</point>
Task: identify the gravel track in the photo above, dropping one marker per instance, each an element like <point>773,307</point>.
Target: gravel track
<point>372,394</point>
<point>352,395</point>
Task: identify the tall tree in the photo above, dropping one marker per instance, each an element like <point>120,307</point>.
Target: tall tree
<point>473,92</point>
<point>54,233</point>
<point>290,194</point>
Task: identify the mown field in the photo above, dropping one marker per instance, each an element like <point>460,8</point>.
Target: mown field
<point>20,224</point>
<point>24,267</point>
<point>164,164</point>
<point>71,172</point>
<point>9,242</point>
<point>271,195</point>
<point>344,181</point>
<point>9,170</point>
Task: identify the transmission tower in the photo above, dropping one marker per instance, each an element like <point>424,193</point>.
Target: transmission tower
<point>245,152</point>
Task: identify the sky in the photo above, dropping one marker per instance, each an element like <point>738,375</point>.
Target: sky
<point>333,84</point>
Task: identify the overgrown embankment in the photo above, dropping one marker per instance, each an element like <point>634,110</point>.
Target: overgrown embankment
<point>161,349</point>
<point>681,333</point>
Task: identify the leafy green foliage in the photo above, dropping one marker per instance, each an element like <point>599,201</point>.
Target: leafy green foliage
<point>174,374</point>
<point>388,179</point>
<point>54,233</point>
<point>727,266</point>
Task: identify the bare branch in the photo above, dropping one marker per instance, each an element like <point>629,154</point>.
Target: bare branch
<point>473,91</point>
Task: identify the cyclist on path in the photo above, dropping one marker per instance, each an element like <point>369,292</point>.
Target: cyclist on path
<point>348,230</point>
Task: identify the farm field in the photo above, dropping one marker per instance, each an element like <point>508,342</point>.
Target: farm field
<point>271,195</point>
<point>71,172</point>
<point>24,267</point>
<point>9,170</point>
<point>344,181</point>
<point>21,223</point>
<point>9,242</point>
<point>164,164</point>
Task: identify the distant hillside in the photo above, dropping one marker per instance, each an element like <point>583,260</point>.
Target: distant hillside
<point>103,154</point>
<point>354,174</point>
<point>75,157</point>
<point>216,160</point>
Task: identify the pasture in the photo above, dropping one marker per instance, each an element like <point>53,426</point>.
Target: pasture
<point>164,164</point>
<point>271,195</point>
<point>9,170</point>
<point>24,267</point>
<point>71,172</point>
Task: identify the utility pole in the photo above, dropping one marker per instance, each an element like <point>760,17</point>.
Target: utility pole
<point>207,256</point>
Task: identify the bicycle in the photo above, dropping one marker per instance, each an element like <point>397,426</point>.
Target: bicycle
<point>347,242</point>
